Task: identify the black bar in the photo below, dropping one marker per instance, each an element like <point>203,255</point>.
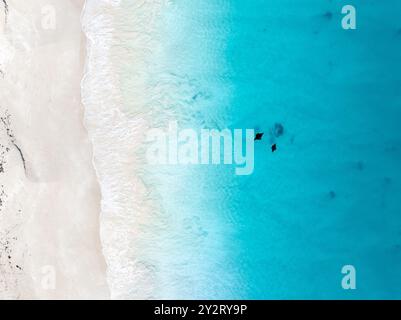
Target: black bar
<point>203,309</point>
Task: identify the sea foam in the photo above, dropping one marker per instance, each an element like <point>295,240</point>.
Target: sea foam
<point>161,237</point>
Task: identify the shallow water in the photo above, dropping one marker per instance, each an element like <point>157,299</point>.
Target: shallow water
<point>328,196</point>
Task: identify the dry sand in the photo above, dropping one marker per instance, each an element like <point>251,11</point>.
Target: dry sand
<point>50,199</point>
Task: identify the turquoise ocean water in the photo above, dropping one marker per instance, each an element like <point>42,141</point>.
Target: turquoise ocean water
<point>328,197</point>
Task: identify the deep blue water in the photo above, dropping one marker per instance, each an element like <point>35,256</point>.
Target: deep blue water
<point>329,196</point>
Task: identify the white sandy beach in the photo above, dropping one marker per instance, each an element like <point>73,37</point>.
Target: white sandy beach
<point>50,199</point>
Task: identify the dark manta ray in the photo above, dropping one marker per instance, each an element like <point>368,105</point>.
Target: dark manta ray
<point>259,136</point>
